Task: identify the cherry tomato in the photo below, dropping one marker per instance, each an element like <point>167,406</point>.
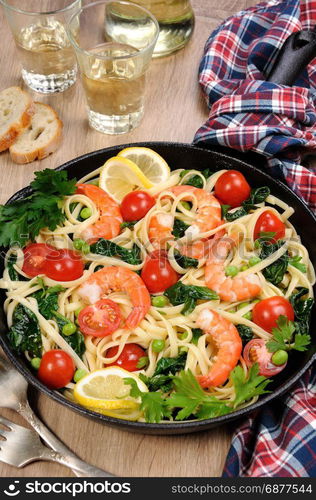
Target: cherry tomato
<point>135,205</point>
<point>63,265</point>
<point>269,222</point>
<point>267,311</point>
<point>100,319</point>
<point>128,358</point>
<point>56,369</point>
<point>35,258</point>
<point>157,273</point>
<point>232,189</point>
<point>255,351</point>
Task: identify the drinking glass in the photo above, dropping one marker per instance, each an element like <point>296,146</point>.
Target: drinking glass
<point>114,42</point>
<point>38,27</point>
<point>176,23</point>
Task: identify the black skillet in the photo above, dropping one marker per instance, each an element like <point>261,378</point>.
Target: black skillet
<point>187,156</point>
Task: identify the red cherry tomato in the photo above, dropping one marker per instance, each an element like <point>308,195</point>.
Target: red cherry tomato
<point>135,205</point>
<point>157,273</point>
<point>63,265</point>
<point>35,258</point>
<point>232,189</point>
<point>100,319</point>
<point>56,369</point>
<point>267,311</point>
<point>128,358</point>
<point>269,222</point>
<point>255,351</point>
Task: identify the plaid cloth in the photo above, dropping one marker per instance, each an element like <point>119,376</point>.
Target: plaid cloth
<point>247,113</point>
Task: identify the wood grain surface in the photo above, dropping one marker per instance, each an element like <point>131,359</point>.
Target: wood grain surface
<point>174,110</point>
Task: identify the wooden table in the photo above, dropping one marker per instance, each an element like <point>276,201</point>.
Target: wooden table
<point>174,111</point>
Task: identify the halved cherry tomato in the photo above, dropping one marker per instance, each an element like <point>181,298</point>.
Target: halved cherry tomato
<point>231,188</point>
<point>56,369</point>
<point>100,319</point>
<point>128,358</point>
<point>35,256</point>
<point>135,205</point>
<point>157,273</point>
<point>255,351</point>
<point>267,311</point>
<point>269,222</point>
<point>63,265</point>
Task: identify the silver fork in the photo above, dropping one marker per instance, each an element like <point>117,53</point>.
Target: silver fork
<point>13,391</point>
<point>22,446</point>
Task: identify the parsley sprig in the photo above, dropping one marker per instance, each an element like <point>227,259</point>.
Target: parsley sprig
<point>284,338</point>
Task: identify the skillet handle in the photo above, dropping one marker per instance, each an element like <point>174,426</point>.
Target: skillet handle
<point>298,51</point>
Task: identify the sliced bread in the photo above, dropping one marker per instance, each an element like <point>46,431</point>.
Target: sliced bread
<point>40,138</point>
<point>16,109</point>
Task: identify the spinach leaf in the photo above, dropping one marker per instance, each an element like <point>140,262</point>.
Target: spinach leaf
<point>25,333</point>
<point>245,333</point>
<point>162,378</point>
<point>302,309</point>
<point>196,180</point>
<point>275,271</point>
<point>47,300</point>
<point>185,261</point>
<point>197,333</point>
<point>188,295</point>
<point>179,228</point>
<point>258,195</point>
<point>76,340</point>
<point>110,249</point>
<point>13,275</point>
<point>129,224</point>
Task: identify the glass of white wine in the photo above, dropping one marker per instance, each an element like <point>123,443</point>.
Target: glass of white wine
<point>114,43</point>
<point>47,57</point>
<point>176,23</point>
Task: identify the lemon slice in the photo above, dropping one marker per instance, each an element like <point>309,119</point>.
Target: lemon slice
<point>152,165</point>
<point>120,176</point>
<point>104,391</point>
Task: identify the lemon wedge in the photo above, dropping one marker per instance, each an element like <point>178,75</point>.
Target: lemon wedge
<point>104,391</point>
<point>120,176</point>
<point>152,165</point>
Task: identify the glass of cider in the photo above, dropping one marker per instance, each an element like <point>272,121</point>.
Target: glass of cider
<point>114,43</point>
<point>39,29</point>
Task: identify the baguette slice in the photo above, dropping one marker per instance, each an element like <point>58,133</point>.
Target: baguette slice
<point>41,138</point>
<point>16,110</point>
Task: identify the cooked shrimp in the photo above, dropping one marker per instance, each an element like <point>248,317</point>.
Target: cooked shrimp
<point>229,289</point>
<point>118,279</point>
<point>226,338</point>
<point>201,249</point>
<point>109,223</point>
<point>208,216</point>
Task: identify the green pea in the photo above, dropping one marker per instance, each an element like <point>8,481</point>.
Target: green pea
<point>254,260</point>
<point>248,315</point>
<point>242,305</point>
<point>86,213</point>
<point>158,345</point>
<point>159,301</point>
<point>79,374</point>
<point>85,248</point>
<point>78,244</point>
<point>69,329</point>
<point>186,205</point>
<point>142,362</point>
<point>78,311</point>
<point>183,336</point>
<point>279,357</point>
<point>231,271</point>
<point>244,268</point>
<point>94,182</point>
<point>35,362</point>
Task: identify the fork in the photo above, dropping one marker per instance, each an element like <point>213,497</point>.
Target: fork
<point>13,390</point>
<point>22,446</point>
